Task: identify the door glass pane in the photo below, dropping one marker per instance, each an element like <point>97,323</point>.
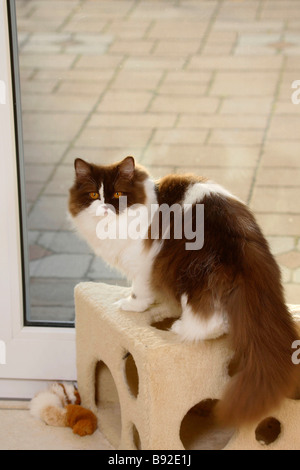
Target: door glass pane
<point>184,86</point>
<point>60,96</point>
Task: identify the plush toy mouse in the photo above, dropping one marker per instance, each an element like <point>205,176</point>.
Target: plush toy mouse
<point>59,405</point>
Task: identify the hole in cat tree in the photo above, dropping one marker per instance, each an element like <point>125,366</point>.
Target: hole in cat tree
<point>268,431</point>
<point>108,404</point>
<point>136,438</point>
<point>131,374</point>
<point>164,324</point>
<point>200,431</point>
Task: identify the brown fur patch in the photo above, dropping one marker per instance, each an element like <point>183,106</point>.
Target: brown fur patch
<point>170,190</point>
<point>81,420</point>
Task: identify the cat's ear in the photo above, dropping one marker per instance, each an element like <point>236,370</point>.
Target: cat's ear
<point>127,167</point>
<point>82,168</point>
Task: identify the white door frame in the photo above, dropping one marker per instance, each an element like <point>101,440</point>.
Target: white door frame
<point>30,355</point>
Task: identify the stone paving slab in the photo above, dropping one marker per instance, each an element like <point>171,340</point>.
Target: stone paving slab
<point>183,85</point>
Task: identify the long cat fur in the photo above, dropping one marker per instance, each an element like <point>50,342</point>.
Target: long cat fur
<point>231,285</point>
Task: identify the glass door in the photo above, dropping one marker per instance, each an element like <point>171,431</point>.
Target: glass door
<point>60,94</point>
<point>45,104</point>
<point>30,355</point>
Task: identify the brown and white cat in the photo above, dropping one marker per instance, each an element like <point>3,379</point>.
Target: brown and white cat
<point>232,284</point>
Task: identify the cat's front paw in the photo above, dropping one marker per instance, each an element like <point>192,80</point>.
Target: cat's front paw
<point>133,304</point>
<point>176,327</point>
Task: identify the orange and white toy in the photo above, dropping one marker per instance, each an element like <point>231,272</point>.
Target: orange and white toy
<point>59,405</point>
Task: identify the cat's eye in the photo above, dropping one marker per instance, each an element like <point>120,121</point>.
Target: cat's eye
<point>94,195</point>
<point>118,194</point>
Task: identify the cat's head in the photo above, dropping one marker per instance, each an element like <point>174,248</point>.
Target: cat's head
<point>101,188</point>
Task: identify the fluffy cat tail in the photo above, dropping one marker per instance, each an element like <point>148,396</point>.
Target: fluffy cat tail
<point>263,331</point>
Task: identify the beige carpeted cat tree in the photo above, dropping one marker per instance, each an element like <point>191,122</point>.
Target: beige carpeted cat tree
<point>152,391</point>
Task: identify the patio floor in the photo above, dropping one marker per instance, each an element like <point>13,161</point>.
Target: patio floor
<point>191,85</point>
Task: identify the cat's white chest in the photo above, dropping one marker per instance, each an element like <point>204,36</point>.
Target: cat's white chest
<point>110,238</point>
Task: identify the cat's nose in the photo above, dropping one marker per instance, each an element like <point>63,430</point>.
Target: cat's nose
<point>102,210</point>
